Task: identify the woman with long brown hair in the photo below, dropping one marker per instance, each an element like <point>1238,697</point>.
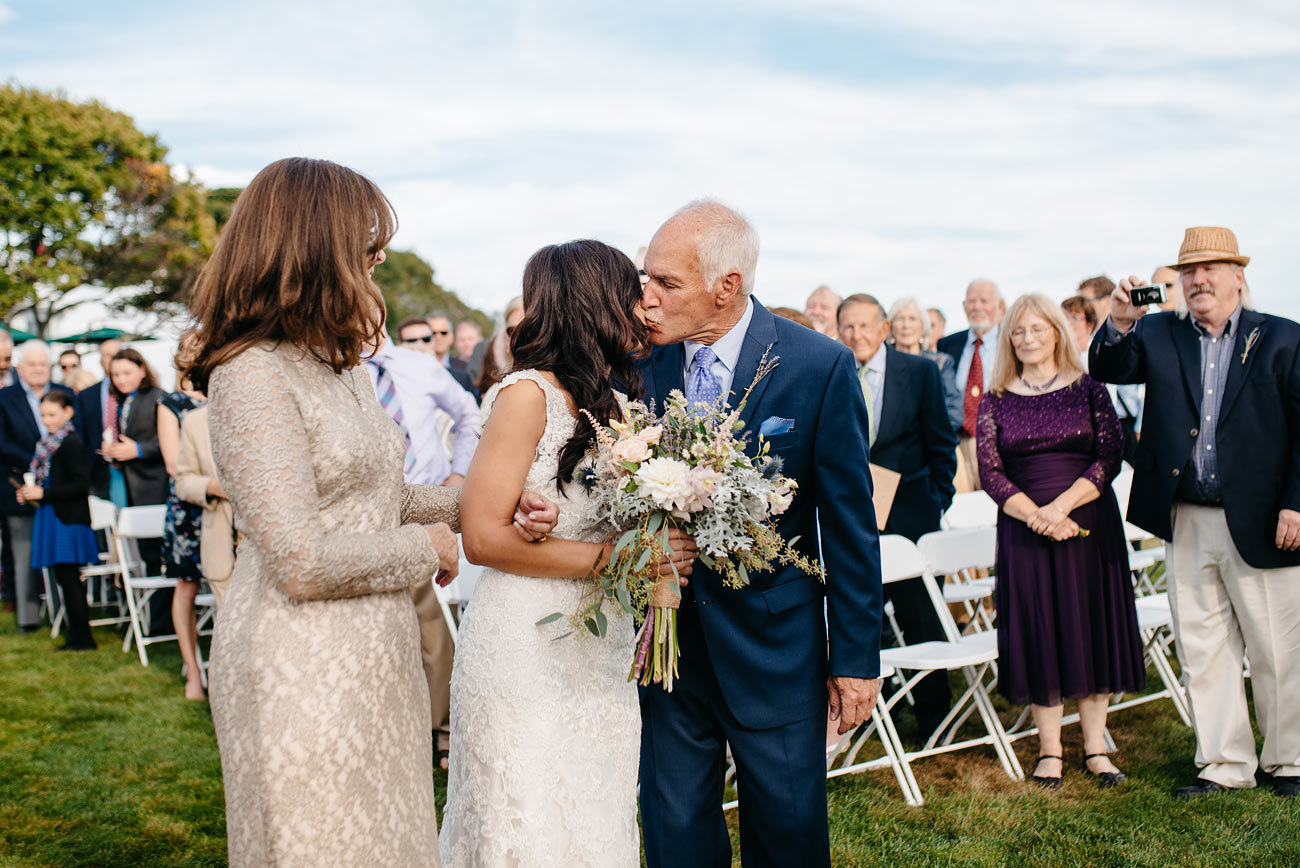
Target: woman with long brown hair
<point>319,702</point>
<point>555,785</point>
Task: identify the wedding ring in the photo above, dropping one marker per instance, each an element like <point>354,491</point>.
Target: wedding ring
<point>542,538</point>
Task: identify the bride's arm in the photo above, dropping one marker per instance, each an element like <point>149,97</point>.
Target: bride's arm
<point>492,488</point>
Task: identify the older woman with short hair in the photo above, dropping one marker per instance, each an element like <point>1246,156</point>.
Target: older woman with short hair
<point>1049,446</point>
<point>909,332</point>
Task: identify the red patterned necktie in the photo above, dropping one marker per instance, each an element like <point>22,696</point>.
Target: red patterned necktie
<point>974,389</point>
<point>110,413</point>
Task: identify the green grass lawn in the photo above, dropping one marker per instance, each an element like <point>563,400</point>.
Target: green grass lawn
<point>104,763</point>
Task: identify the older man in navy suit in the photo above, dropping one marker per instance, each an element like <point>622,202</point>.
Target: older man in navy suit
<point>20,430</point>
<point>1217,472</point>
<point>911,435</point>
<point>755,672</point>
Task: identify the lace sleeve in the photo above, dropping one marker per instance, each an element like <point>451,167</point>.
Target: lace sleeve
<point>430,504</point>
<point>1108,437</point>
<point>993,477</point>
<point>263,458</point>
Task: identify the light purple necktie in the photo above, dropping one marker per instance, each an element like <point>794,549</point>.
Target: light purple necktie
<point>702,388</point>
<point>386,391</point>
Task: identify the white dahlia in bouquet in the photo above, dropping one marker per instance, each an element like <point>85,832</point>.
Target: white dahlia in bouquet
<point>685,468</point>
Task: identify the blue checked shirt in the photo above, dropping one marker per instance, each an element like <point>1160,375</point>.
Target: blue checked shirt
<point>1216,356</point>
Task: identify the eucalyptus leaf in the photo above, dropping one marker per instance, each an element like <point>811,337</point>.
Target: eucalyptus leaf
<point>549,619</point>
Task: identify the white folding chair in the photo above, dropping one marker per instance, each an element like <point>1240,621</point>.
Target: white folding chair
<point>971,509</point>
<point>103,515</point>
<point>959,553</point>
<point>135,523</point>
<point>973,655</point>
<point>1155,625</point>
<point>461,589</point>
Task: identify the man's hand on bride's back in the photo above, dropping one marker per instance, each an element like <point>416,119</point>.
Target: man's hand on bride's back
<point>448,549</point>
<point>684,553</point>
<point>535,516</point>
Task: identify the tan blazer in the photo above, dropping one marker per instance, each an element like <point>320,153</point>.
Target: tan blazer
<point>194,470</point>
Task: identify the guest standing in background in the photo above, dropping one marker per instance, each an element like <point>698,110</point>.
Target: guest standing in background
<point>909,332</point>
<point>468,335</point>
<point>21,428</point>
<point>180,542</point>
<point>62,540</point>
<point>196,482</point>
<point>96,422</point>
<point>496,358</point>
<point>821,309</point>
<point>1049,447</point>
<point>1097,290</point>
<point>938,324</point>
<point>972,351</point>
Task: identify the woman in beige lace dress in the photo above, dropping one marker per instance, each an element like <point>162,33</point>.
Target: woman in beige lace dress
<point>320,705</point>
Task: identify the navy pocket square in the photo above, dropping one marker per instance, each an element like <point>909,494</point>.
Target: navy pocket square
<point>775,425</point>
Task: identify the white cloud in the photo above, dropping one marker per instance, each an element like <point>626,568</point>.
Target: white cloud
<point>6,14</point>
<point>498,130</point>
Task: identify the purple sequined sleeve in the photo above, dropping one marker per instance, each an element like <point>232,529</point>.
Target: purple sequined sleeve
<point>993,477</point>
<point>1108,438</point>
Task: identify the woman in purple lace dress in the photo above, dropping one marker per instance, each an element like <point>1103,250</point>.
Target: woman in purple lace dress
<point>1049,446</point>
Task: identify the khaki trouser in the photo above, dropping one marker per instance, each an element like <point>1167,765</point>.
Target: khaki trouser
<point>1222,608</point>
<point>436,652</point>
<point>968,465</point>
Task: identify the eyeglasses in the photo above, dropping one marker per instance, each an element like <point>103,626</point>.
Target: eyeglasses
<point>423,339</point>
<point>1038,332</point>
<point>442,334</point>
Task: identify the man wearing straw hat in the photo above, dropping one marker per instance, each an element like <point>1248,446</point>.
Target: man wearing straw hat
<point>1217,472</point>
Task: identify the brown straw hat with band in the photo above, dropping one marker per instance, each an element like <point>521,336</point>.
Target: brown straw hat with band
<point>1209,244</point>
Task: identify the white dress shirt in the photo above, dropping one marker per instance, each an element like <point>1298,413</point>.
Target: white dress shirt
<point>34,401</point>
<point>727,349</point>
<point>423,387</point>
<point>988,354</point>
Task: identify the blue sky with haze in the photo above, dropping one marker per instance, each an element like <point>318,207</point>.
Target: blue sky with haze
<point>879,147</point>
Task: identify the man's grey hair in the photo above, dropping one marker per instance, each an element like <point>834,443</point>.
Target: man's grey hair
<point>728,243</point>
<point>997,293</point>
<point>862,298</point>
<point>910,301</point>
<point>27,347</point>
<point>1246,304</point>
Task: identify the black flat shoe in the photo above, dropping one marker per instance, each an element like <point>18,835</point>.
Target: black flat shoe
<point>1202,787</point>
<point>1044,781</point>
<point>1286,786</point>
<point>1105,780</point>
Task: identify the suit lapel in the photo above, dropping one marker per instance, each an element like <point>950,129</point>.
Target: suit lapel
<point>760,335</point>
<point>891,403</point>
<point>1188,347</point>
<point>31,429</point>
<point>1237,369</point>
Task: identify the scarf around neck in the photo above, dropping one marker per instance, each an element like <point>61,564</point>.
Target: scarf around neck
<point>45,449</point>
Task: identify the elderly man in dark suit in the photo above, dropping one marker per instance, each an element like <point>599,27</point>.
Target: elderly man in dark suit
<point>755,672</point>
<point>20,430</point>
<point>973,351</point>
<point>1217,472</point>
<point>911,435</point>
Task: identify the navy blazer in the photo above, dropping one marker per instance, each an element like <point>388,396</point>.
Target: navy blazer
<point>915,439</point>
<point>768,641</point>
<point>952,346</point>
<point>90,425</point>
<point>1258,434</point>
<point>19,434</point>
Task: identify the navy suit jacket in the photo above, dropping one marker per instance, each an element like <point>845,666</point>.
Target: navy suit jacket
<point>19,435</point>
<point>768,640</point>
<point>90,425</point>
<point>1258,433</point>
<point>952,346</point>
<point>915,439</point>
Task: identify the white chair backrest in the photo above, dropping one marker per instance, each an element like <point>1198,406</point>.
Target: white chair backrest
<point>141,522</point>
<point>461,590</point>
<point>900,559</point>
<point>971,509</point>
<point>1123,487</point>
<point>102,513</point>
<point>948,552</point>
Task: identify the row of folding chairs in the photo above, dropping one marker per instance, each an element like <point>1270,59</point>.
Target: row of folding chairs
<point>123,568</point>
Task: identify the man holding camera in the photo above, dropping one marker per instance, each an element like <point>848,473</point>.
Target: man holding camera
<point>1217,472</point>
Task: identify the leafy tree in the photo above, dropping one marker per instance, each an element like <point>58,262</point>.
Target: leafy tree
<point>88,200</point>
<point>411,290</point>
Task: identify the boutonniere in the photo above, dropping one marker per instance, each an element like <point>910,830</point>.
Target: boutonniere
<point>1250,342</point>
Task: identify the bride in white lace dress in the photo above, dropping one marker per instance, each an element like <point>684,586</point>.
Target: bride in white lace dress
<point>545,731</point>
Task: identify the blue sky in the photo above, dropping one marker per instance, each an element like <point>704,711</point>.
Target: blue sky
<point>880,147</point>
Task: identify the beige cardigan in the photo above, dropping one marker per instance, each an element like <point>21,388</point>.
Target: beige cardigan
<point>194,470</point>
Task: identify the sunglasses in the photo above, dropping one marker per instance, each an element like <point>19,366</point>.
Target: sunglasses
<point>69,367</point>
<point>442,334</point>
<point>420,340</point>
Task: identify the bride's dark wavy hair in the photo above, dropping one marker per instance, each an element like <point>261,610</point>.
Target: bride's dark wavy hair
<point>579,323</point>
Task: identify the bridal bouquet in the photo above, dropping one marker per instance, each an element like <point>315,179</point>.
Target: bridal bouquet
<point>683,468</point>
